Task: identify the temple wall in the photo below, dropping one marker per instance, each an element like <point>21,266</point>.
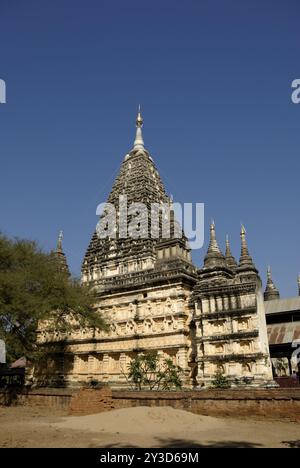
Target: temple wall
<point>231,337</point>
<point>154,319</point>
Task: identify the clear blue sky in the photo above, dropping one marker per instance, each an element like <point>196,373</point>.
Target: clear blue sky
<point>214,79</point>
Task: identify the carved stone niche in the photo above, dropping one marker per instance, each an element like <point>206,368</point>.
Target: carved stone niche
<point>115,329</point>
<point>98,363</point>
<point>219,348</point>
<point>243,324</point>
<point>218,327</point>
<point>245,346</point>
<point>81,363</point>
<point>246,369</point>
<point>147,326</point>
<point>130,327</point>
<point>214,368</point>
<point>114,363</point>
<point>169,305</point>
<point>169,323</point>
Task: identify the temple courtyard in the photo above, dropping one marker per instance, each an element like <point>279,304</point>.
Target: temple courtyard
<point>25,426</point>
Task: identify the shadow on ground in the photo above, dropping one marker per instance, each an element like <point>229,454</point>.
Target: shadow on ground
<point>292,443</point>
<point>183,443</point>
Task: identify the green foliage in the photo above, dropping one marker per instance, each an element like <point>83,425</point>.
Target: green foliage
<point>33,289</point>
<point>220,381</point>
<point>149,372</point>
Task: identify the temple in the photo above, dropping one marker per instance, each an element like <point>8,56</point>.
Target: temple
<point>207,320</point>
<point>229,317</point>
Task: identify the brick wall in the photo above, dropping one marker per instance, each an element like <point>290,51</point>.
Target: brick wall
<point>272,403</point>
<point>45,397</point>
<point>90,401</point>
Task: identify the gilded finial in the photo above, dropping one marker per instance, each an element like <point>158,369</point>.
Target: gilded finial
<point>139,142</point>
<point>139,119</point>
<point>212,230</point>
<point>244,241</point>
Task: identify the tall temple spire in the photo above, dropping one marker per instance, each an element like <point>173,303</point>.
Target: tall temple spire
<point>214,256</point>
<point>230,260</point>
<point>139,180</point>
<point>60,255</point>
<point>271,292</point>
<point>213,244</point>
<point>246,263</point>
<point>298,281</point>
<point>139,142</point>
<point>244,247</point>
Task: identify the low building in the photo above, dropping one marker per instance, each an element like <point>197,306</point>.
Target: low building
<point>283,324</point>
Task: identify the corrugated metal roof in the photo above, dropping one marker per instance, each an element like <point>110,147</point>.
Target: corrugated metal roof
<point>282,305</point>
<point>283,333</point>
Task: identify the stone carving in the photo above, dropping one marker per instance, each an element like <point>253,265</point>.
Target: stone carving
<point>130,328</point>
<point>155,299</point>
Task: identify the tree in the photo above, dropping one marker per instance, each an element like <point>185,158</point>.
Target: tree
<point>35,289</point>
<point>220,381</point>
<point>149,372</point>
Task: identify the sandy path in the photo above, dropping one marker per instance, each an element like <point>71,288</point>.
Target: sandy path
<point>139,427</point>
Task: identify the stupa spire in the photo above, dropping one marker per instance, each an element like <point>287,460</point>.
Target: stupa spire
<point>271,292</point>
<point>246,262</point>
<point>214,256</point>
<point>60,255</point>
<point>298,281</point>
<point>139,142</point>
<point>213,244</point>
<point>244,246</point>
<point>230,260</point>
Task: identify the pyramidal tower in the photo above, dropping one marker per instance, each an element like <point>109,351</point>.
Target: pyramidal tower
<point>271,291</point>
<point>114,258</point>
<point>231,332</point>
<point>143,282</point>
<point>154,299</point>
<point>60,255</point>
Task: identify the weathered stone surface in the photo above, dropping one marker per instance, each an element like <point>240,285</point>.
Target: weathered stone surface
<point>155,300</point>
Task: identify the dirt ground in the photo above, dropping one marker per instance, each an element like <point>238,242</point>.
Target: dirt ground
<point>139,427</point>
